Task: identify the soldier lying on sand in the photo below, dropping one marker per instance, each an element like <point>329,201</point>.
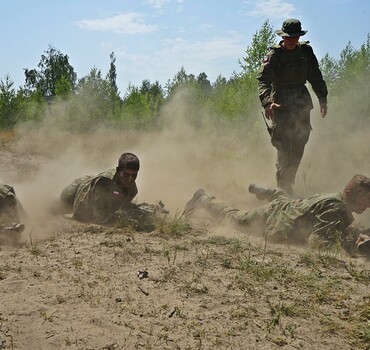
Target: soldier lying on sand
<point>106,197</point>
<point>11,213</point>
<point>324,220</point>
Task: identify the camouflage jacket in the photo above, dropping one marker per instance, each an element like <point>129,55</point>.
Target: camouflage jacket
<point>324,215</point>
<point>283,75</point>
<point>10,208</point>
<point>97,198</point>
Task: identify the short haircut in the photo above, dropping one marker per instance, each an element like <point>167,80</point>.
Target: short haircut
<point>128,161</point>
<point>358,184</point>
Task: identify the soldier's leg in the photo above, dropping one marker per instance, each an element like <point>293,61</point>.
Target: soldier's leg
<point>281,139</point>
<point>301,134</point>
<point>289,136</point>
<point>67,197</point>
<point>269,194</point>
<point>241,219</point>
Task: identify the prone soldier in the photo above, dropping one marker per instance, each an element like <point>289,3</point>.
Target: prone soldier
<point>107,197</point>
<point>325,221</point>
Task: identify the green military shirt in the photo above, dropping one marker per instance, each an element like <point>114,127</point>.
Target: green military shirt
<point>97,198</point>
<point>283,75</point>
<point>324,216</point>
<point>10,208</point>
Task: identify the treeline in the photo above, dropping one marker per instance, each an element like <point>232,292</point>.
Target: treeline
<point>53,90</point>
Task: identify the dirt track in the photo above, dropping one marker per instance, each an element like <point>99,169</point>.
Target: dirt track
<point>81,290</point>
<point>76,286</point>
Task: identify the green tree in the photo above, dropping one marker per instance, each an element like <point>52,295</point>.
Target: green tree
<point>112,76</point>
<point>330,70</point>
<point>154,95</point>
<point>63,88</point>
<point>53,67</point>
<point>8,107</point>
<point>17,106</point>
<point>116,101</point>
<point>234,99</point>
<point>204,83</point>
<point>93,99</point>
<point>180,79</point>
<point>349,90</point>
<point>136,109</point>
<point>261,41</point>
<point>94,85</point>
<point>219,82</point>
<point>30,106</point>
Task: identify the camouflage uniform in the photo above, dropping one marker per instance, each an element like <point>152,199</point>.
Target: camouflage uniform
<point>282,79</point>
<point>322,219</point>
<point>97,198</point>
<point>11,210</point>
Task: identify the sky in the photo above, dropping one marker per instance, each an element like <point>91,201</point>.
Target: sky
<point>153,39</point>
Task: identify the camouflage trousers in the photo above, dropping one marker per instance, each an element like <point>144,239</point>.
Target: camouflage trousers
<point>240,219</point>
<point>68,195</point>
<point>257,219</point>
<point>290,133</point>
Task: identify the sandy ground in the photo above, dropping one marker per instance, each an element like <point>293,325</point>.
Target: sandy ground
<point>204,286</point>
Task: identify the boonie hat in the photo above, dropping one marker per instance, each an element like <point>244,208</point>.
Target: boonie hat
<point>291,27</point>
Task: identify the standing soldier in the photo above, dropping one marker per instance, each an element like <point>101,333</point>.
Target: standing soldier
<point>286,100</point>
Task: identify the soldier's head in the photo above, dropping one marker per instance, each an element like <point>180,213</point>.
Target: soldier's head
<point>127,169</point>
<point>357,193</point>
<point>290,31</point>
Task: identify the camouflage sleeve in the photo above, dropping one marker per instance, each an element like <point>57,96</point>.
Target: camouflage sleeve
<point>104,202</point>
<point>265,78</point>
<point>315,78</point>
<point>330,226</point>
<point>352,233</point>
<point>10,207</point>
<point>132,192</point>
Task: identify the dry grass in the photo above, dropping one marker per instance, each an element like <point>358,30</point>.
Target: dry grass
<point>202,291</point>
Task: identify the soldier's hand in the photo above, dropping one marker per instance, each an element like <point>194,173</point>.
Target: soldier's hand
<point>323,109</point>
<point>362,238</point>
<point>269,110</point>
<point>363,245</point>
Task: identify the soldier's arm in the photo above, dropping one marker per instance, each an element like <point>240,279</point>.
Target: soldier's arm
<point>356,238</point>
<point>132,191</point>
<point>103,203</point>
<point>330,225</point>
<point>315,78</point>
<point>265,78</point>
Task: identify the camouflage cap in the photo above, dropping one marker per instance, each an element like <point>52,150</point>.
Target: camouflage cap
<point>291,27</point>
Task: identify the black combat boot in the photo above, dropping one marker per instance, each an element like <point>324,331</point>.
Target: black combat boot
<point>261,192</point>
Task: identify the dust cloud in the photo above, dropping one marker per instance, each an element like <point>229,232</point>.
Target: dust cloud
<point>176,160</point>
